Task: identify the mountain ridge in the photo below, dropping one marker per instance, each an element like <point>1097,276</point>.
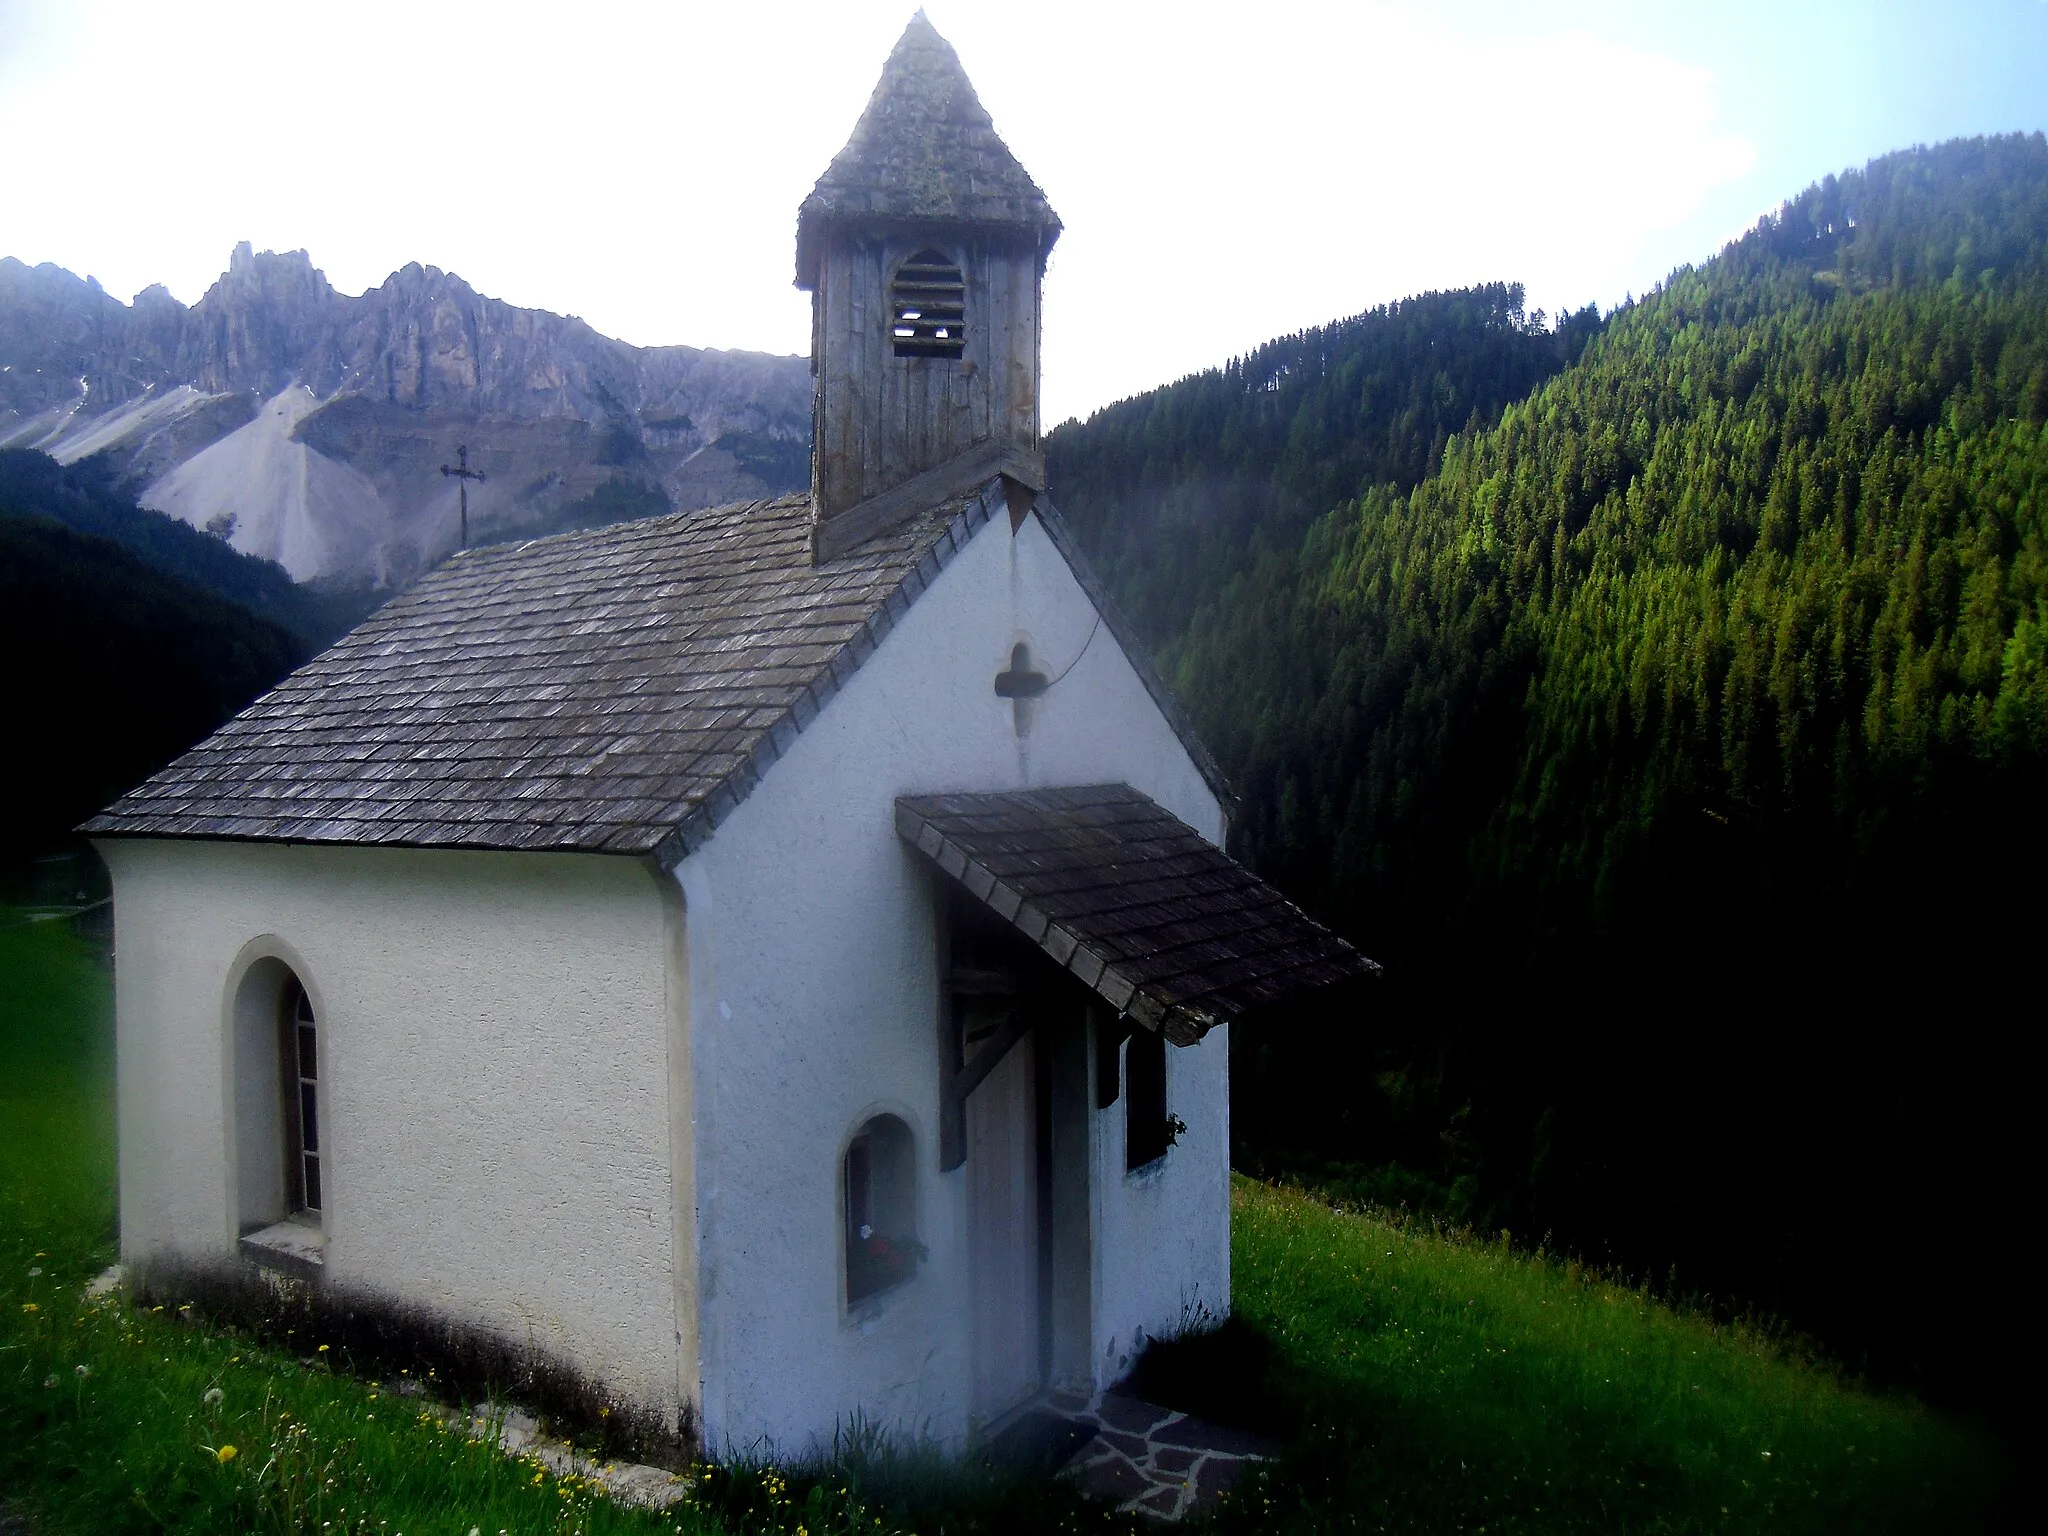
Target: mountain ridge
<point>564,422</point>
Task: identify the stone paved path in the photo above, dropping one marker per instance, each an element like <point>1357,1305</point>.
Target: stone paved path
<point>1159,1462</point>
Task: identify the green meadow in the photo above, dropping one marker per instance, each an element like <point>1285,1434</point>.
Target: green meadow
<point>1444,1383</point>
<point>1424,1382</point>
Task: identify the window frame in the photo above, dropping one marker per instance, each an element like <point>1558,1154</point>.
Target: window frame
<point>306,1185</point>
<point>901,1249</point>
<point>1150,1127</point>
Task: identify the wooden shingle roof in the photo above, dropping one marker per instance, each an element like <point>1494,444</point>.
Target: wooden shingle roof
<point>925,153</point>
<point>618,691</point>
<point>1160,923</point>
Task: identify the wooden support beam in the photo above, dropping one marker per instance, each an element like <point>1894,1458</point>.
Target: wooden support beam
<point>1008,1033</point>
<point>957,1084</point>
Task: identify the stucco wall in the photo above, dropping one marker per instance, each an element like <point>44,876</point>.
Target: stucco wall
<point>1162,1233</point>
<point>813,990</point>
<point>496,1037</point>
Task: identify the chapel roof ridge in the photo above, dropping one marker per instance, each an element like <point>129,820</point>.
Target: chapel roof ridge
<point>506,549</point>
<point>925,152</point>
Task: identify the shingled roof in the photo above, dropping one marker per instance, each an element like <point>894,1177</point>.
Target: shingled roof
<point>924,153</point>
<point>615,691</point>
<point>1162,924</point>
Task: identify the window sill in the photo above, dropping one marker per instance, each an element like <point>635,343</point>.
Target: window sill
<point>1147,1172</point>
<point>295,1246</point>
<point>861,1316</point>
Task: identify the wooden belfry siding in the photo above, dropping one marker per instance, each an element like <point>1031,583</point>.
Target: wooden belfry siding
<point>879,419</point>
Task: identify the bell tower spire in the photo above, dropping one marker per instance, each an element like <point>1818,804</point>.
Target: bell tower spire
<point>923,247</point>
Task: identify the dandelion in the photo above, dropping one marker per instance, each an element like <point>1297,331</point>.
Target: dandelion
<point>321,1350</point>
<point>83,1371</point>
<point>34,1270</point>
<point>213,1396</point>
<point>50,1380</point>
<point>225,1454</point>
<point>29,1306</point>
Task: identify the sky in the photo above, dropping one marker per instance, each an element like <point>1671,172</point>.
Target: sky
<point>1226,173</point>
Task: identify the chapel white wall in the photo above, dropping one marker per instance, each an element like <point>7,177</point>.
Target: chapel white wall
<point>813,990</point>
<point>1162,1232</point>
<point>496,1034</point>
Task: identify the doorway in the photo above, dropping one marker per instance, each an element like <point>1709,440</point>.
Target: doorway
<point>1003,1232</point>
<point>1015,1060</point>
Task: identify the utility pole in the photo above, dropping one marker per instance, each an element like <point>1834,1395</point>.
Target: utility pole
<point>463,474</point>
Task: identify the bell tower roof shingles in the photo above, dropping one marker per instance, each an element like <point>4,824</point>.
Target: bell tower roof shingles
<point>924,153</point>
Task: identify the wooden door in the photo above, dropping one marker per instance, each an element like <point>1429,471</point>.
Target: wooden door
<point>1002,1230</point>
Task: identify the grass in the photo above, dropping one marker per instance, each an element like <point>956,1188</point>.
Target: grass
<point>1435,1382</point>
<point>1427,1383</point>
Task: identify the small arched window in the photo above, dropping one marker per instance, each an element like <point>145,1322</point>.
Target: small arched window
<point>880,1179</point>
<point>281,1187</point>
<point>928,307</point>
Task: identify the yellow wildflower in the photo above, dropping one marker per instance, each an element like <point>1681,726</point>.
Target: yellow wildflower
<point>29,1306</point>
<point>225,1454</point>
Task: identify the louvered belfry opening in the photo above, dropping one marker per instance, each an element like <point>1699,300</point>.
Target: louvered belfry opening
<point>928,307</point>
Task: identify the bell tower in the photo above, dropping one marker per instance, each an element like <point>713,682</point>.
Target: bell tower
<point>923,247</point>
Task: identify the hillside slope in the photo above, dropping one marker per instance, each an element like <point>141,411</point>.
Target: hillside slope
<point>1678,746</point>
<point>1177,491</point>
<point>338,411</point>
<point>1775,538</point>
<point>118,668</point>
<point>83,498</point>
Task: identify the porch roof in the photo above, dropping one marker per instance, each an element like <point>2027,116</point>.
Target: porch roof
<point>1163,925</point>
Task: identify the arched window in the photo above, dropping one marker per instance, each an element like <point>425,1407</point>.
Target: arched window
<point>880,1179</point>
<point>928,307</point>
<point>280,1127</point>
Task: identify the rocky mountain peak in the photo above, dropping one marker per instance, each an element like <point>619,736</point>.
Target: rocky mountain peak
<point>308,426</point>
<point>261,321</point>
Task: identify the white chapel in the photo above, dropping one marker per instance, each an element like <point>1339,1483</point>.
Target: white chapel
<point>779,959</point>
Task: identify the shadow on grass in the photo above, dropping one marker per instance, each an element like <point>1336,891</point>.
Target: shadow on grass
<point>1356,1458</point>
<point>376,1338</point>
<point>1227,1374</point>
